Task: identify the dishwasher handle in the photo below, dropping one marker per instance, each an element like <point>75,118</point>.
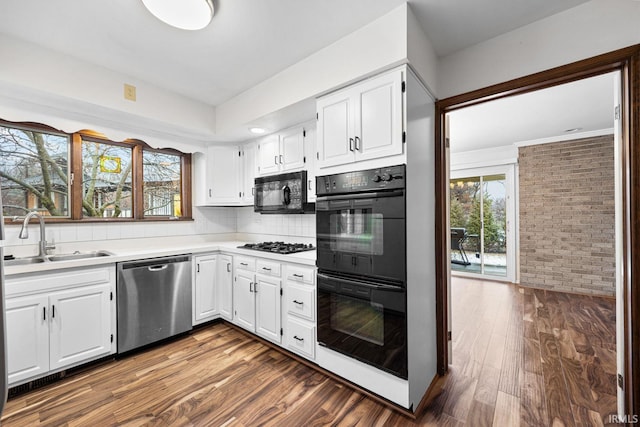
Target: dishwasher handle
<point>158,267</point>
<point>154,262</point>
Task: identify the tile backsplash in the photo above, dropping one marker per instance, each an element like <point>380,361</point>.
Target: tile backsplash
<point>248,221</point>
<point>207,220</point>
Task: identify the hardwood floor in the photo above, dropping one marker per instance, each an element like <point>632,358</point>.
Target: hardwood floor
<point>520,358</point>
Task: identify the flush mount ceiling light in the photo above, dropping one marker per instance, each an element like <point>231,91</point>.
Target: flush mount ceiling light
<point>258,131</point>
<point>572,130</point>
<point>183,14</point>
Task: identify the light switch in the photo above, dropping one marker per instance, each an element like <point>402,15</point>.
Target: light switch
<point>129,92</point>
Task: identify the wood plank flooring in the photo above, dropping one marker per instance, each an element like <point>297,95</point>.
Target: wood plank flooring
<point>520,357</point>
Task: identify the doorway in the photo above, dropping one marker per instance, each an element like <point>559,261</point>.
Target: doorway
<point>628,62</point>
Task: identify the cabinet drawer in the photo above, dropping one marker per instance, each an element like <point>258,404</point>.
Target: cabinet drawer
<point>301,274</point>
<point>301,338</point>
<point>300,301</point>
<point>268,268</point>
<point>245,263</point>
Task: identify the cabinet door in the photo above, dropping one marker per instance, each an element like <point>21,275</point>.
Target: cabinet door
<point>292,150</point>
<point>223,175</point>
<point>269,155</point>
<point>310,153</point>
<point>27,332</point>
<point>250,172</point>
<point>335,145</point>
<point>268,313</point>
<point>378,117</point>
<point>80,324</point>
<point>205,305</point>
<point>244,303</point>
<point>225,286</point>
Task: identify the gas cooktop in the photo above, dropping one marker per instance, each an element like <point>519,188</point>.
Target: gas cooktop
<point>278,247</point>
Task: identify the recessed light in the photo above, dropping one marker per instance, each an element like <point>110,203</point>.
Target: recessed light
<point>183,14</point>
<point>258,131</point>
<point>572,130</point>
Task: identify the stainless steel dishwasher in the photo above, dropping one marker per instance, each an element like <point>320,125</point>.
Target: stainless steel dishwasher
<point>154,300</point>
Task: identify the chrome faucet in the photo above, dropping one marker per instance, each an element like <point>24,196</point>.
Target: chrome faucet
<point>24,234</point>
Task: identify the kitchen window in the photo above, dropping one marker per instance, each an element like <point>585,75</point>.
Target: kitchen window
<point>84,176</point>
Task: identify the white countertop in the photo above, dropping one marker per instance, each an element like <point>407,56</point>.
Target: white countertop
<point>134,249</point>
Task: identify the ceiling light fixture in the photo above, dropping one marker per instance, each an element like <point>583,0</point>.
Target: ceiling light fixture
<point>258,131</point>
<point>183,14</point>
<point>572,130</point>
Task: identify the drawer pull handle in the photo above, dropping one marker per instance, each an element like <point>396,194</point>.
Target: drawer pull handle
<point>44,313</point>
<point>295,301</point>
<point>251,287</point>
<point>295,337</point>
<point>244,263</point>
<point>298,275</point>
<point>265,268</point>
<point>228,267</point>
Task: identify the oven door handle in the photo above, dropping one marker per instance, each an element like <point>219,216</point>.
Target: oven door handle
<point>374,195</point>
<point>358,283</point>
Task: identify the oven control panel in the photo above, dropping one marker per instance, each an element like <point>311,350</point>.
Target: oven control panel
<point>388,178</point>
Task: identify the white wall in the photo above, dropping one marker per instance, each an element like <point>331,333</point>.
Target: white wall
<point>590,29</point>
<point>31,75</point>
<point>382,44</point>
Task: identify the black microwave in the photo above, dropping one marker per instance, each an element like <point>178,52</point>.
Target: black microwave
<point>282,194</point>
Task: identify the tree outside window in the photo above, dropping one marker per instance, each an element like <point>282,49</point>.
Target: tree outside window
<point>34,172</point>
<point>42,168</point>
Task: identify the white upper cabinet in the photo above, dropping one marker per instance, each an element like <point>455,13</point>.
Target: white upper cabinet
<point>250,171</point>
<point>292,150</point>
<point>310,155</point>
<point>224,175</point>
<point>283,152</point>
<point>361,122</point>
<point>269,155</point>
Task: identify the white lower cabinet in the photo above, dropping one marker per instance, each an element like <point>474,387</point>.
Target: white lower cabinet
<point>300,310</point>
<point>267,291</point>
<point>212,287</point>
<point>58,320</point>
<point>256,297</point>
<point>205,300</point>
<point>79,325</point>
<point>225,286</point>
<point>27,337</point>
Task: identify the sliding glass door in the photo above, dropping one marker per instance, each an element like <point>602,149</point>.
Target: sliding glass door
<point>480,217</point>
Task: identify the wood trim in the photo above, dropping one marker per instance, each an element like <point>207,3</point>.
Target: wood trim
<point>627,60</point>
<point>442,310</point>
<point>186,187</point>
<point>435,389</point>
<point>632,247</point>
<point>137,182</point>
<point>555,76</point>
<point>76,169</point>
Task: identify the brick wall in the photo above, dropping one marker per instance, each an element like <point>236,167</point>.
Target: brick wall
<point>567,216</point>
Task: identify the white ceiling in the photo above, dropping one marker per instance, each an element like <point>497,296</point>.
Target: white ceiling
<point>585,104</point>
<point>248,41</point>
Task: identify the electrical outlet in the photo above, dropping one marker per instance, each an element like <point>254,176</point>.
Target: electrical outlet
<point>129,92</point>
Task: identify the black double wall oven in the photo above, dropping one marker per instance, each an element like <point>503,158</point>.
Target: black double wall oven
<point>361,259</point>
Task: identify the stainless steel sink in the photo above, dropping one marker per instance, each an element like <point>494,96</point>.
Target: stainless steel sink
<point>78,255</point>
<point>55,258</point>
<point>23,261</point>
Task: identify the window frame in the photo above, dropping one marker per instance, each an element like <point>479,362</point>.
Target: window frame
<point>75,197</point>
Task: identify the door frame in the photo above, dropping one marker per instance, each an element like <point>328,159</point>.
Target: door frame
<point>627,61</point>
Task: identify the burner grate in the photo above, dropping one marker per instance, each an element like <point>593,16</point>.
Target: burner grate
<point>278,247</point>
